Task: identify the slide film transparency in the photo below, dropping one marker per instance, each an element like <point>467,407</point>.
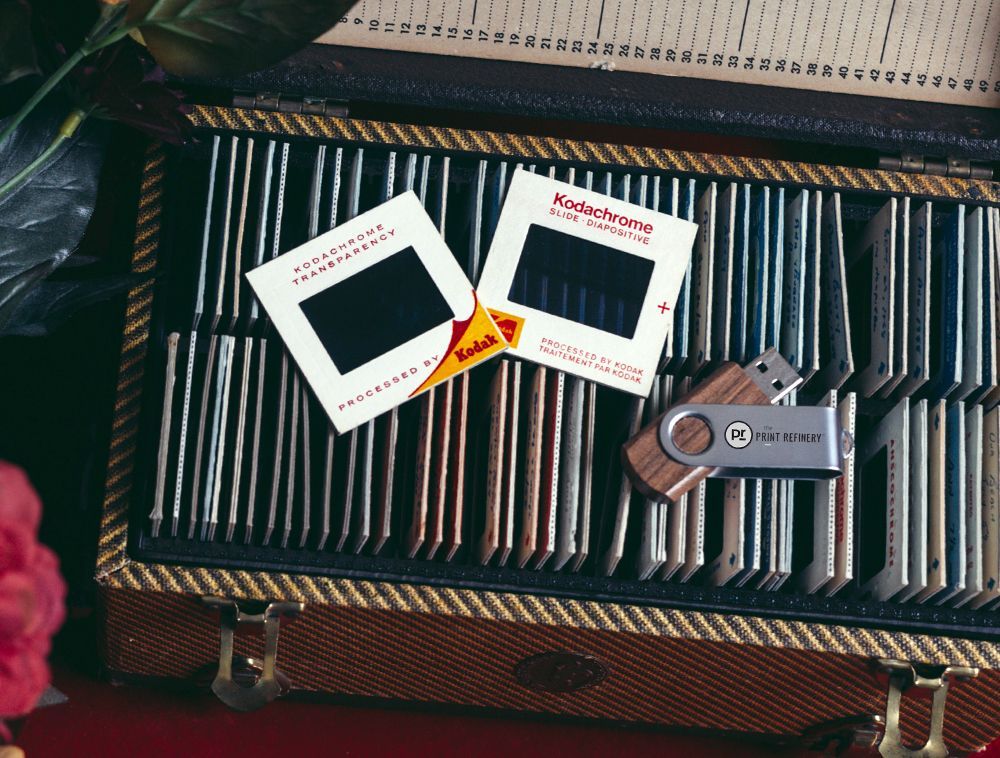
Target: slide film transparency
<point>887,306</point>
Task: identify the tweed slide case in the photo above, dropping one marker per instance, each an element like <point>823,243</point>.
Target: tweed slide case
<point>371,623</point>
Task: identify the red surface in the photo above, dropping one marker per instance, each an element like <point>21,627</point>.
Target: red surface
<point>108,721</point>
<point>103,720</point>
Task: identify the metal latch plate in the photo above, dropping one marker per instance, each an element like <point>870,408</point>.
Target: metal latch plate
<point>229,684</point>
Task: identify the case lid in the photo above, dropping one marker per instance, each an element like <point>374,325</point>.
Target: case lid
<point>897,78</point>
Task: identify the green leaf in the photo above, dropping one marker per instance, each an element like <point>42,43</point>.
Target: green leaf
<point>17,50</point>
<point>228,37</point>
<point>43,220</point>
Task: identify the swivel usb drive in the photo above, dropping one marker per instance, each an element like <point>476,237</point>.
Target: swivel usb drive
<point>726,427</point>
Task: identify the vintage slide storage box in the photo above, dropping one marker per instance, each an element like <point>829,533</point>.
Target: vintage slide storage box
<point>783,666</point>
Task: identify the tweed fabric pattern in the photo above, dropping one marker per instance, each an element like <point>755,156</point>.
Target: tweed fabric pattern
<point>428,657</point>
<point>728,167</point>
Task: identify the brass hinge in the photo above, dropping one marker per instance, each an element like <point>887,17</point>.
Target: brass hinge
<point>910,163</point>
<point>281,103</point>
<point>242,683</point>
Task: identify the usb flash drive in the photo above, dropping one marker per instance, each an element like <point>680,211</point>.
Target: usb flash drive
<point>708,433</point>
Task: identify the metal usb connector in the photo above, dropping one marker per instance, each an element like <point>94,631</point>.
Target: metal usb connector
<point>773,375</point>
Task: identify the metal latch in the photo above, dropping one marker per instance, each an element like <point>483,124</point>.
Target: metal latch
<point>269,683</point>
<point>902,677</point>
<point>282,103</point>
<point>910,163</point>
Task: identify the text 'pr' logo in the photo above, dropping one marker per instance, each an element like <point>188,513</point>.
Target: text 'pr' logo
<point>739,434</point>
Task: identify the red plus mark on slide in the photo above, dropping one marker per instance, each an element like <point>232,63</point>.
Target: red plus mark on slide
<point>663,307</point>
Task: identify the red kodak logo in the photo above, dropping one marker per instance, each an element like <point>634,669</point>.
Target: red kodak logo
<point>509,326</point>
<point>477,346</point>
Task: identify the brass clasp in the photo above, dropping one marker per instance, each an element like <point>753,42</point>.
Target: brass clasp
<point>902,676</point>
<point>268,685</point>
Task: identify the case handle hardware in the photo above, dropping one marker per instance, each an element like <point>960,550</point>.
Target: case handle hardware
<point>270,683</point>
<point>851,735</point>
<point>903,676</point>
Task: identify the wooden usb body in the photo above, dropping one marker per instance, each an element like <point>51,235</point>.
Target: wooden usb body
<point>657,476</point>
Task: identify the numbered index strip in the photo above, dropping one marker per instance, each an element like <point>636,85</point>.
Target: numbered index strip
<point>945,52</point>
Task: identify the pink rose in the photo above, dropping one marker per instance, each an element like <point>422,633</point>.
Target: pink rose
<point>19,502</point>
<point>32,595</point>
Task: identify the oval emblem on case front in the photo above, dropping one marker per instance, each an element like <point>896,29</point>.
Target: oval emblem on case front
<point>560,672</point>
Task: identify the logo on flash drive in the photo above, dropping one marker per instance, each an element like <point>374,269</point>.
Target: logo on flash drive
<point>739,434</point>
